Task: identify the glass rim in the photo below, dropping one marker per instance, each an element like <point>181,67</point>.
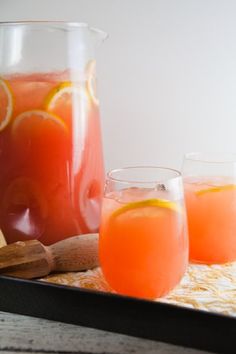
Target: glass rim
<point>176,174</point>
<point>62,25</point>
<point>211,157</point>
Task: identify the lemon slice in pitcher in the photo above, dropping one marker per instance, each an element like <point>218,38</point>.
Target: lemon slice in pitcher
<point>91,84</point>
<point>6,104</point>
<point>60,92</point>
<point>39,131</point>
<point>156,203</point>
<point>36,120</point>
<point>65,100</point>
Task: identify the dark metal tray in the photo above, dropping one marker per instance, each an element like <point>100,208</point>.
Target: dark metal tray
<point>140,318</point>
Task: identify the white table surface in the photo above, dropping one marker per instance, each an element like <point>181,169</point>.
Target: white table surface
<point>32,335</point>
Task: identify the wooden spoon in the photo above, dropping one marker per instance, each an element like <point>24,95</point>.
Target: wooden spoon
<point>31,259</point>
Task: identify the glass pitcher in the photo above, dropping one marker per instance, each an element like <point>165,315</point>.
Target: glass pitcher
<point>51,161</point>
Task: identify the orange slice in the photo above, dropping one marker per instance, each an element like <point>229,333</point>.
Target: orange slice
<point>6,104</point>
<point>157,203</point>
<point>65,100</point>
<point>92,87</point>
<point>227,187</point>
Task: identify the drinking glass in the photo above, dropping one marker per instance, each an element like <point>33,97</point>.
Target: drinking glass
<point>143,244</point>
<point>51,161</point>
<point>210,194</point>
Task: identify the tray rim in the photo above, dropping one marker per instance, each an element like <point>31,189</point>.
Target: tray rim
<point>173,324</point>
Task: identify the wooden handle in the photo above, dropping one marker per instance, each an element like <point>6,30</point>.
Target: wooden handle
<point>2,239</point>
<point>75,253</point>
<point>26,260</point>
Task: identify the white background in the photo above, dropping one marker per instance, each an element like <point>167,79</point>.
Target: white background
<point>167,74</point>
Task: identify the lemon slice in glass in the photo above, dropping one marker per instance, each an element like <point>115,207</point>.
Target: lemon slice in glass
<point>227,187</point>
<point>157,203</point>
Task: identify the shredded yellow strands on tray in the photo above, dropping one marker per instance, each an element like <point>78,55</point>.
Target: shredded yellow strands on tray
<point>205,287</point>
